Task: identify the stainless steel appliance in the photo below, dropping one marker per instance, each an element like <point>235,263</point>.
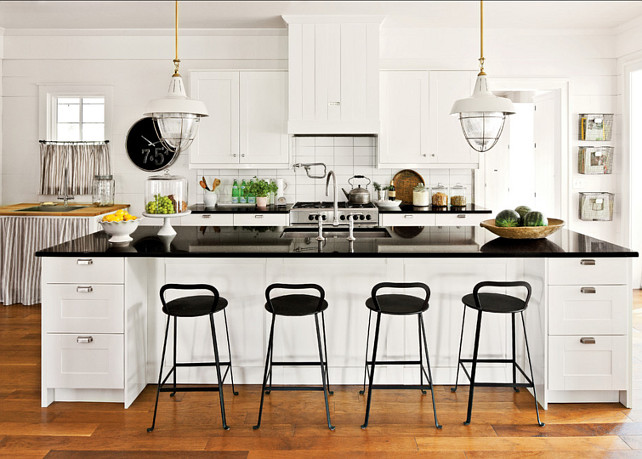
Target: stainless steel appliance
<point>308,213</point>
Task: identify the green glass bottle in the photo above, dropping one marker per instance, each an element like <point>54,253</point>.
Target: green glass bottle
<point>235,192</point>
<point>251,198</point>
<point>243,193</point>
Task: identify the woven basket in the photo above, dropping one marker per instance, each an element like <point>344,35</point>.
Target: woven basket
<point>523,232</point>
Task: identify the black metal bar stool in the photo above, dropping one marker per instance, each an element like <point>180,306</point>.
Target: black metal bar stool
<point>194,306</point>
<point>499,304</point>
<point>398,305</point>
<point>296,305</point>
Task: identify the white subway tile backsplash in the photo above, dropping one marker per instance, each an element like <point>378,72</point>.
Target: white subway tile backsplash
<point>364,141</point>
<point>343,141</point>
<point>304,142</point>
<point>324,141</point>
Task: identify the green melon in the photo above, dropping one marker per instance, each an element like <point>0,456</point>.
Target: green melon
<point>507,218</point>
<point>522,210</point>
<point>535,218</point>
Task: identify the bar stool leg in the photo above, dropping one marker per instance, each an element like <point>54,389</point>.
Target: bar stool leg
<point>323,373</point>
<point>218,373</point>
<point>474,369</point>
<point>325,351</point>
<point>265,374</point>
<point>160,376</point>
<point>461,340</point>
<point>516,389</point>
<point>530,364</point>
<point>174,368</point>
<point>432,387</point>
<point>372,370</point>
<point>271,355</point>
<point>229,352</point>
<point>421,365</point>
<point>365,366</point>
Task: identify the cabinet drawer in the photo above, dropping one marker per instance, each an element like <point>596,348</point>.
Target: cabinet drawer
<point>460,219</point>
<point>407,219</point>
<point>587,271</point>
<point>208,220</point>
<point>574,365</point>
<point>84,308</point>
<point>261,219</point>
<point>600,310</point>
<point>84,270</point>
<point>85,361</point>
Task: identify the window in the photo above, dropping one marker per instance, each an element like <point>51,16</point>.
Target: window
<point>80,118</point>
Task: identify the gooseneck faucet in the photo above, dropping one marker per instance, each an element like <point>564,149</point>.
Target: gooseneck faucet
<point>335,202</point>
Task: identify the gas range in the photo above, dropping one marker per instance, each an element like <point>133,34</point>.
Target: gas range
<point>308,213</point>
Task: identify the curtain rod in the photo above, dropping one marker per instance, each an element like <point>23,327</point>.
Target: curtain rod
<point>75,142</point>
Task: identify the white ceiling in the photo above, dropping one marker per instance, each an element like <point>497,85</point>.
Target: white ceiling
<point>267,14</point>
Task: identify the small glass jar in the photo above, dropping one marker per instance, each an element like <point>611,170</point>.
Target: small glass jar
<point>103,188</point>
<point>166,194</point>
<point>458,195</point>
<point>420,196</point>
<point>439,196</point>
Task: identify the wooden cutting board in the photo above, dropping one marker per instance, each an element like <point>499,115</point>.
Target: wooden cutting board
<point>405,181</point>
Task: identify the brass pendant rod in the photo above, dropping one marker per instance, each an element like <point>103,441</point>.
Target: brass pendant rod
<point>176,59</point>
<point>481,38</point>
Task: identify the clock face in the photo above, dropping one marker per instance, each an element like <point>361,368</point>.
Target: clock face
<point>145,149</point>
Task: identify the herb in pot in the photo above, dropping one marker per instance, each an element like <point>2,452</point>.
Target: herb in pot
<point>261,188</point>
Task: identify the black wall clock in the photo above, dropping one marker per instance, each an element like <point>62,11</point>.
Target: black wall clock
<point>145,149</point>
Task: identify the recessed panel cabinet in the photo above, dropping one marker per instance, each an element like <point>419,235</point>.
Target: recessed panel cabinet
<point>247,126</point>
<point>417,129</point>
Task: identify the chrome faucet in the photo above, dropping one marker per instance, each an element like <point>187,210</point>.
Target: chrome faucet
<point>335,217</point>
<point>65,188</point>
<point>351,218</point>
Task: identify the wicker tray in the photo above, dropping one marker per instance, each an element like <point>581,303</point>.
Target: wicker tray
<point>523,232</point>
<point>404,182</point>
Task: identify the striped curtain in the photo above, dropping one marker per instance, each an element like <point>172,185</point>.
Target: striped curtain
<point>82,160</point>
<point>20,239</point>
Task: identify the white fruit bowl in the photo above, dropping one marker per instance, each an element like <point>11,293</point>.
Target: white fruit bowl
<point>120,231</point>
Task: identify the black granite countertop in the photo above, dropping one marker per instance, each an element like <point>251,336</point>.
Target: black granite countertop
<point>243,209</point>
<point>405,242</point>
<point>410,209</point>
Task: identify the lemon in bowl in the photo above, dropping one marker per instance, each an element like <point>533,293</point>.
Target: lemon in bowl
<point>119,225</point>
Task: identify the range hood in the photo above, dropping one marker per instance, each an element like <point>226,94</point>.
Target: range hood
<point>333,64</point>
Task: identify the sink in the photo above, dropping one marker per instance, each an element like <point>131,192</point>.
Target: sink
<point>359,233</point>
<point>50,208</point>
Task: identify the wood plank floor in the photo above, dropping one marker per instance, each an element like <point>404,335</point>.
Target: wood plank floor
<point>401,423</point>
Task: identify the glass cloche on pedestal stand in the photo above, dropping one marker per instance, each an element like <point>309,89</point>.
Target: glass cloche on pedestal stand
<point>166,197</point>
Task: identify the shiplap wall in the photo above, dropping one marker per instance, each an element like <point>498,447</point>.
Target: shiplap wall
<point>139,67</point>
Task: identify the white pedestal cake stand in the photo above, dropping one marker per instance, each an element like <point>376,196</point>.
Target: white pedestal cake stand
<point>166,229</point>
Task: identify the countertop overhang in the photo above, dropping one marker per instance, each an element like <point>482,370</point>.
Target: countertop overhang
<point>88,211</point>
<point>404,242</point>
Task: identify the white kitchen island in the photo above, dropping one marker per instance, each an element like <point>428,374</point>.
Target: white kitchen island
<point>103,326</point>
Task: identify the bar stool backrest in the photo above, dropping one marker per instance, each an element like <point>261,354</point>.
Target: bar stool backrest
<point>294,287</point>
<point>208,287</point>
<point>508,284</point>
<point>404,285</point>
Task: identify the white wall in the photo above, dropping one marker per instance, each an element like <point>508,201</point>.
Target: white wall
<point>138,67</point>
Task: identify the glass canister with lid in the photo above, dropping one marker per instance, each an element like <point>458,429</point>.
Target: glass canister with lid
<point>439,196</point>
<point>458,195</point>
<point>166,194</point>
<point>421,196</point>
<point>103,188</point>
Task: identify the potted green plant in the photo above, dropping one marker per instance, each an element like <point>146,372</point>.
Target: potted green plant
<point>381,191</point>
<point>261,188</point>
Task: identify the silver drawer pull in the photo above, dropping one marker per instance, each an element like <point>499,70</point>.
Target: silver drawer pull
<point>461,216</point>
<point>408,216</point>
<point>587,290</point>
<point>258,216</point>
<point>87,289</point>
<point>587,340</point>
<point>85,261</point>
<point>84,339</point>
<point>334,103</point>
<point>206,216</point>
<point>587,262</point>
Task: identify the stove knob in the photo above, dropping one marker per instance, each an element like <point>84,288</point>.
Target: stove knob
<point>362,217</point>
<point>324,217</point>
<point>368,217</point>
<point>316,217</point>
<point>310,217</point>
<point>342,217</point>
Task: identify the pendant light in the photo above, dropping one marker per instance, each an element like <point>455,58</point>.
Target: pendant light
<point>176,117</point>
<point>482,115</point>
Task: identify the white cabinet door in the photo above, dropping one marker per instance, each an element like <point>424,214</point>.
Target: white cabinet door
<point>405,118</point>
<point>217,141</point>
<point>448,145</point>
<point>263,118</point>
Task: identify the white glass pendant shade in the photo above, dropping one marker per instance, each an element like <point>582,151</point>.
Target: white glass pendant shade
<point>482,115</point>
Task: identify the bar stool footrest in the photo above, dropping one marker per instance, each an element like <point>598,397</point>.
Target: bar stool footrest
<point>190,389</point>
<point>403,386</point>
<point>287,388</point>
<point>395,362</point>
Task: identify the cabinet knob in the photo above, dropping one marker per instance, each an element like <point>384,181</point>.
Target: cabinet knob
<point>85,261</point>
<point>587,262</point>
<point>84,339</point>
<point>87,289</point>
<point>242,155</point>
<point>424,155</point>
<point>587,340</point>
<point>587,290</point>
<point>234,155</point>
<point>433,155</point>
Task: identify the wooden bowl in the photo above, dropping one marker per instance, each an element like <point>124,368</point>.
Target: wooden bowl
<point>523,232</point>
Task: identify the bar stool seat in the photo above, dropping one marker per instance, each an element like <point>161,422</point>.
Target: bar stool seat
<point>194,306</point>
<point>495,302</point>
<point>296,305</point>
<point>398,304</point>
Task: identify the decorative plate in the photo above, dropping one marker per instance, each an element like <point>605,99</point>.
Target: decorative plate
<point>523,232</point>
<point>405,181</point>
<point>388,204</point>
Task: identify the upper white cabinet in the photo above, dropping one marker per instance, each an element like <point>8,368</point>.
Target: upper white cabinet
<point>333,74</point>
<point>247,126</point>
<point>417,129</point>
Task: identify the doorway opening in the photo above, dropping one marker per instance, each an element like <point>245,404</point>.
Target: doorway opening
<point>635,104</point>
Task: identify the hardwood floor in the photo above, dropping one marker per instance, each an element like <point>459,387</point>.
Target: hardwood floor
<point>401,424</point>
